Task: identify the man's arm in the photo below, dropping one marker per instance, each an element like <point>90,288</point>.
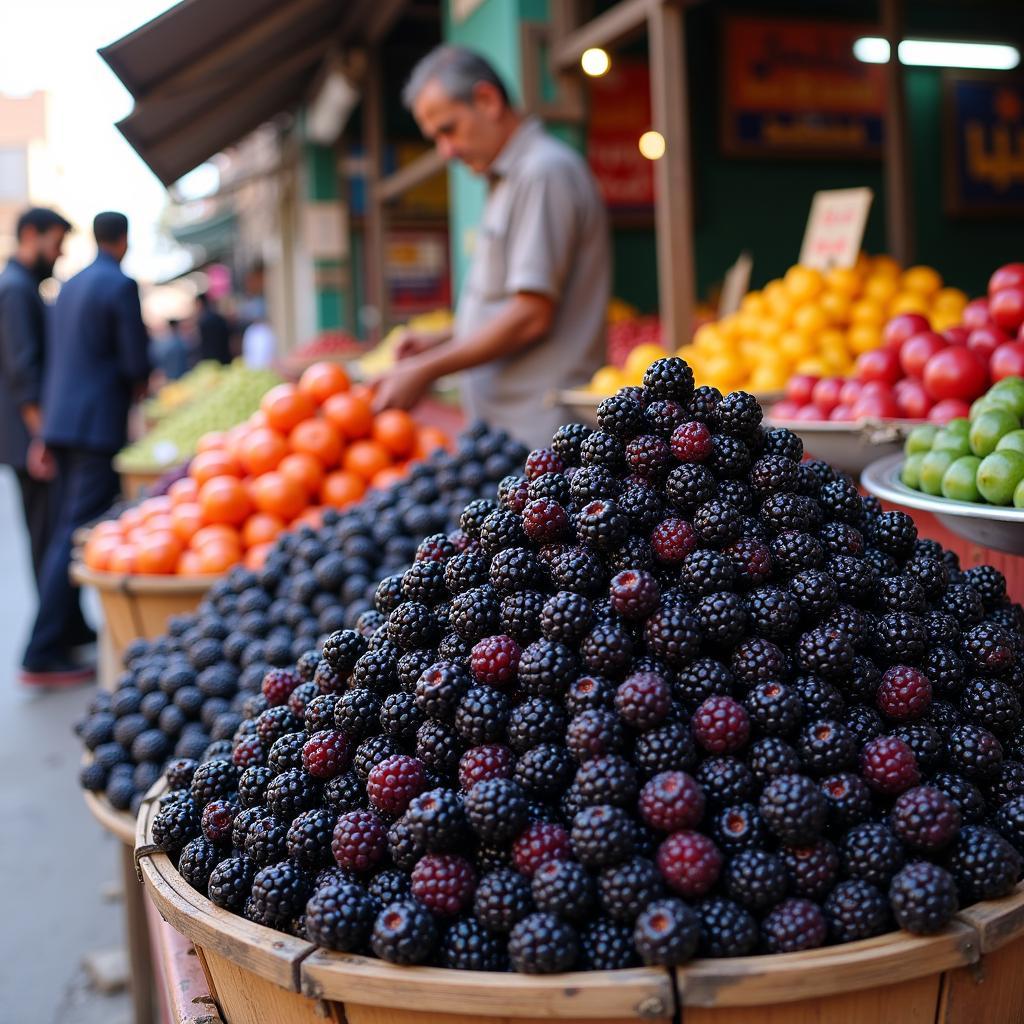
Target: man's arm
<point>132,339</point>
<point>23,349</point>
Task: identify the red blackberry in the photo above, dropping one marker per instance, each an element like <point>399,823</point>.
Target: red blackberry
<point>793,925</point>
<point>359,841</point>
<point>889,766</point>
<point>672,540</point>
<point>904,693</point>
<point>444,883</point>
<point>248,752</point>
<point>326,754</point>
<point>725,928</point>
<point>278,685</point>
<point>672,801</point>
<point>774,709</point>
<point>738,826</point>
<point>537,844</point>
<point>643,700</point>
<point>634,594</point>
<point>751,559</point>
<point>983,864</point>
<point>812,869</point>
<point>923,898</point>
<point>666,933</point>
<point>672,635</point>
<point>217,820</point>
<point>393,783</point>
<point>871,852</point>
<point>545,521</point>
<point>925,817</point>
<point>543,460</point>
<point>495,660</point>
<point>756,879</point>
<point>689,862</point>
<point>484,762</point>
<point>793,808</point>
<point>720,725</point>
<point>543,944</point>
<point>404,933</point>
<point>988,648</point>
<point>972,751</point>
<point>691,442</point>
<point>496,809</point>
<point>437,820</point>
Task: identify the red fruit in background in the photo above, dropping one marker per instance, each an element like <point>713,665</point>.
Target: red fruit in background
<point>786,409</point>
<point>1009,275</point>
<point>800,387</point>
<point>1006,308</point>
<point>985,340</point>
<point>876,406</point>
<point>912,399</point>
<point>882,364</point>
<point>901,327</point>
<point>948,409</point>
<point>916,351</point>
<point>842,414</point>
<point>850,392</point>
<point>826,393</point>
<point>956,335</point>
<point>1007,361</point>
<point>955,373</point>
<point>975,314</point>
<point>811,412</point>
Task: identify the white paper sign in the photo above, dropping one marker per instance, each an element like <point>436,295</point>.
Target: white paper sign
<point>835,228</point>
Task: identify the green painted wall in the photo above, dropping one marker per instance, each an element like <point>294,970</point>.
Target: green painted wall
<point>333,303</point>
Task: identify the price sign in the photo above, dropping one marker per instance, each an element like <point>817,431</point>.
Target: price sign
<point>835,227</point>
<point>735,285</point>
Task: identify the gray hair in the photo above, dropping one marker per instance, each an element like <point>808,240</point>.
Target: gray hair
<point>457,70</point>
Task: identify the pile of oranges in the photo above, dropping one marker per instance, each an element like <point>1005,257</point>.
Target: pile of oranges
<point>311,445</point>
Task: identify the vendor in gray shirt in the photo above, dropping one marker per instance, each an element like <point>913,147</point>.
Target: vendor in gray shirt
<point>531,314</point>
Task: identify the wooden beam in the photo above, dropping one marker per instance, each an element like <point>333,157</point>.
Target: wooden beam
<point>376,211</point>
<point>381,19</point>
<point>623,21</point>
<point>568,104</point>
<point>673,203</point>
<point>414,173</point>
<point>899,202</point>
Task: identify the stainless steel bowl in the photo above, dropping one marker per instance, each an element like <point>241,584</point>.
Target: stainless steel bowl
<point>848,446</point>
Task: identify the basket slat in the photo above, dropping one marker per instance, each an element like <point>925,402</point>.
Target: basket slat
<point>997,922</point>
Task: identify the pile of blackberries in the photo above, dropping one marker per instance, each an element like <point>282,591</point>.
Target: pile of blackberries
<point>672,692</point>
<point>185,694</point>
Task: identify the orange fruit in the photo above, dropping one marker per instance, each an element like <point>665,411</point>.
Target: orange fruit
<point>98,549</point>
<point>108,527</point>
<point>318,438</point>
<point>188,564</point>
<point>341,488</point>
<point>155,506</point>
<point>122,558</point>
<point>216,533</point>
<point>387,477</point>
<point>183,490</point>
<point>206,465</point>
<point>429,439</point>
<point>285,407</point>
<point>321,380</point>
<point>158,553</point>
<point>214,439</point>
<point>256,556</point>
<point>218,557</point>
<point>234,437</point>
<point>161,521</point>
<point>261,450</point>
<point>131,519</point>
<point>396,431</point>
<point>279,495</point>
<point>304,469</point>
<point>224,499</point>
<point>261,528</point>
<point>351,414</point>
<point>312,516</point>
<point>366,459</point>
<point>187,518</point>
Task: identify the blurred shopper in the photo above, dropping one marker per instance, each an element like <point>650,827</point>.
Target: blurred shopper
<point>214,332</point>
<point>259,343</point>
<point>40,235</point>
<point>96,363</point>
<point>531,315</point>
<point>168,353</point>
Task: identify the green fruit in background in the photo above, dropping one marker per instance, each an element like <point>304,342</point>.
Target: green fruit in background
<point>920,439</point>
<point>959,427</point>
<point>933,468</point>
<point>998,476</point>
<point>1018,495</point>
<point>991,400</point>
<point>1013,441</point>
<point>910,474</point>
<point>959,482</point>
<point>1011,391</point>
<point>989,427</point>
<point>955,443</point>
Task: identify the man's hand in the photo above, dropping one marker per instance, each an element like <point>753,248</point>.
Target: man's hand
<point>414,343</point>
<point>400,388</point>
<point>40,461</point>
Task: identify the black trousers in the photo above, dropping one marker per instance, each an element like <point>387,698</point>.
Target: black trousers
<point>86,486</point>
<point>37,505</point>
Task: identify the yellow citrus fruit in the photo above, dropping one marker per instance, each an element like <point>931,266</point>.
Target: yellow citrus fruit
<point>885,265</point>
<point>810,319</point>
<point>753,302</point>
<point>795,346</point>
<point>642,356</point>
<point>923,280</point>
<point>949,299</point>
<point>780,303</point>
<point>836,306</point>
<point>881,288</point>
<point>832,338</point>
<point>909,302</point>
<point>844,280</point>
<point>606,381</point>
<point>814,366</point>
<point>768,378</point>
<point>863,338</point>
<point>942,319</point>
<point>802,283</point>
<point>865,311</point>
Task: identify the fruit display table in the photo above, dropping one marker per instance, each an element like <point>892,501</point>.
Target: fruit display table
<point>134,482</point>
<point>968,972</point>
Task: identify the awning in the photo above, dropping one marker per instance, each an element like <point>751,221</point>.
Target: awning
<point>207,72</point>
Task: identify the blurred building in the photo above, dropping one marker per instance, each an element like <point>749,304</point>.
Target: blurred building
<point>25,164</point>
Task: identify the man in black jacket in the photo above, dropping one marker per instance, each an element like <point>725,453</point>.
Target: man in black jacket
<point>214,332</point>
<point>40,234</point>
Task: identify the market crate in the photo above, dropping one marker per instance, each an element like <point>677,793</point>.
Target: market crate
<point>135,605</point>
<point>965,974</point>
<point>134,482</point>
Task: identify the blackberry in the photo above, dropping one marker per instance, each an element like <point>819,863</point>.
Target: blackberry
<point>793,925</point>
<point>399,716</point>
<point>772,473</point>
<point>923,898</point>
<point>589,693</point>
<point>198,859</point>
<point>984,865</point>
<point>468,946</point>
<point>989,583</point>
<point>963,603</point>
<point>309,838</point>
<point>602,523</point>
<point>544,771</point>
<point>755,879</point>
<point>974,752</point>
<point>603,449</point>
<point>689,862</point>
<point>899,593</point>
<point>388,595</point>
<point>988,648</point>
<point>871,852</point>
<point>648,456</point>
<point>756,660</point>
<point>217,819</point>
<point>964,794</point>
<point>546,668</point>
<point>357,713</point>
<point>930,574</point>
<point>635,552</point>
<point>541,461</point>
<point>440,689</point>
<point>376,670</point>
<point>643,700</point>
<point>482,715</point>
<point>533,721</point>
<point>669,378</point>
<point>548,485</point>
<point>701,679</point>
<point>474,613</point>
<point>992,704</point>
<point>738,826</point>
<point>437,820</point>
<point>423,582</point>
<point>669,747</point>
<point>893,533</point>
<point>606,946</point>
<point>346,792</point>
<point>738,414</point>
<point>230,883</point>
<point>704,572</point>
<point>725,928</point>
<point>606,780</point>
<point>815,592</point>
<point>793,808</point>
<point>566,617</point>
<point>175,824</point>
<point>717,523</point>
<point>826,746</point>
<point>567,440</point>
<point>252,785</point>
<point>825,652</point>
<point>267,840</point>
<point>944,670</point>
<point>790,512</point>
<point>666,933</point>
<point>774,613</point>
<point>214,780</point>
<point>437,746</point>
<point>925,817</point>
<point>340,915</point>
<point>672,540</point>
<point>774,709</point>
<point>751,559</point>
<point>856,910</point>
<point>291,792</point>
<point>514,569</point>
<point>770,757</point>
<point>793,551</point>
<point>812,869</point>
<point>864,723</point>
<point>620,414</point>
<point>841,540</point>
<point>1006,785</point>
<point>465,571</point>
<point>404,933</point>
<point>602,835</point>
<point>720,725</point>
<point>848,800</point>
<point>496,810</point>
<point>671,801</point>
<point>393,782</point>
<point>542,944</point>
<point>371,752</point>
<point>1008,821</point>
<point>672,635</point>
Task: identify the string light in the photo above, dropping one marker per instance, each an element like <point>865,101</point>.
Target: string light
<point>652,145</point>
<point>595,62</point>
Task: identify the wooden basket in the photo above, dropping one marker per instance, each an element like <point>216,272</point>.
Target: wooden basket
<point>134,482</point>
<point>139,606</point>
<point>968,973</point>
<point>120,824</point>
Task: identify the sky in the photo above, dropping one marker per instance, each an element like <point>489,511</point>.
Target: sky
<point>51,45</point>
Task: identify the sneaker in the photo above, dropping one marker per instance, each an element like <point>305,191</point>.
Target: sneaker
<point>56,673</point>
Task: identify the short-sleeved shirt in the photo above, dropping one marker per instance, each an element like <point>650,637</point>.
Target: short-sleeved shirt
<point>544,230</point>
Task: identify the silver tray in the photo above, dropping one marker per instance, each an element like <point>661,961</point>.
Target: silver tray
<point>848,446</point>
<point>991,526</point>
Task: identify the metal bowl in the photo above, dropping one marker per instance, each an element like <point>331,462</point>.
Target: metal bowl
<point>991,526</point>
<point>848,446</point>
<point>583,404</point>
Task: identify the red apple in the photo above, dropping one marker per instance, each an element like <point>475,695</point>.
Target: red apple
<point>948,409</point>
<point>842,414</point>
<point>826,393</point>
<point>799,388</point>
<point>876,387</point>
<point>876,407</point>
<point>912,399</point>
<point>975,314</point>
<point>917,350</point>
<point>1007,361</point>
<point>881,364</point>
<point>811,412</point>
<point>850,392</point>
<point>1006,308</point>
<point>956,335</point>
<point>1009,275</point>
<point>955,372</point>
<point>785,410</point>
<point>985,340</point>
<point>904,326</point>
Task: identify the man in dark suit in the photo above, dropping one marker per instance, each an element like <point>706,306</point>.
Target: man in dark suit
<point>40,234</point>
<point>96,361</point>
<point>214,333</point>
